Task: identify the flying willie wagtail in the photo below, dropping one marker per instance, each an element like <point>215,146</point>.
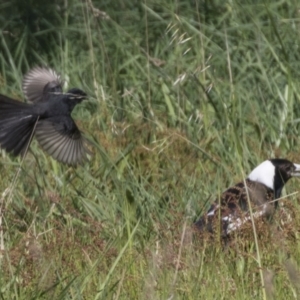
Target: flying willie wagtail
<point>48,113</point>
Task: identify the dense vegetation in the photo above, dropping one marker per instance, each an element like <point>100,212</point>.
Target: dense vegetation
<point>185,98</point>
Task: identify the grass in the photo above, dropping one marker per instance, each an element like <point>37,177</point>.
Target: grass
<point>185,99</point>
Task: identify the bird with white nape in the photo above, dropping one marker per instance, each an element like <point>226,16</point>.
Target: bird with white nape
<point>260,189</point>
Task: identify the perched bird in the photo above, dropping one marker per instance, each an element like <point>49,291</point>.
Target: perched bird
<point>261,189</point>
<point>47,115</point>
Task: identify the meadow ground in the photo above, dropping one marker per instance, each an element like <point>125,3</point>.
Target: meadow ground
<point>185,98</point>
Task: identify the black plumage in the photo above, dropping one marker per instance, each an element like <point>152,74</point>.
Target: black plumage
<point>261,189</point>
<point>48,116</point>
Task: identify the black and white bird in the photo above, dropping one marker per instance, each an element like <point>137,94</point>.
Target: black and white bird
<point>47,115</point>
<point>261,189</point>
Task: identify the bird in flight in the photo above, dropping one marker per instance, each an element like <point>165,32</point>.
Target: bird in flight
<point>261,189</point>
<point>47,115</point>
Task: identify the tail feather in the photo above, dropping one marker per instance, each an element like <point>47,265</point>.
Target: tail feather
<point>16,125</point>
<point>8,103</point>
<point>16,138</point>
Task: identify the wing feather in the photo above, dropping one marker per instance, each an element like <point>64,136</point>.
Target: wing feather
<point>61,138</point>
<point>36,80</point>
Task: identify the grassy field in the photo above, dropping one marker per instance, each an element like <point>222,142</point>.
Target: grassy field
<point>185,98</point>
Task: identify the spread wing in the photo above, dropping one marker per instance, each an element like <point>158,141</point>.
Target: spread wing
<point>60,137</point>
<point>39,81</point>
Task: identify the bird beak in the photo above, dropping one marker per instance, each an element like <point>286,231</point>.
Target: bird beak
<point>296,172</point>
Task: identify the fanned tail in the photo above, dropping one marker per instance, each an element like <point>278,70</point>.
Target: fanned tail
<point>16,125</point>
